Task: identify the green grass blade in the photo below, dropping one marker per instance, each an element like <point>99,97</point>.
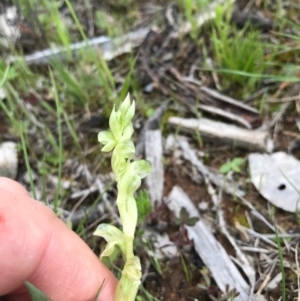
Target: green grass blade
<point>35,293</point>
<point>60,143</point>
<point>26,158</point>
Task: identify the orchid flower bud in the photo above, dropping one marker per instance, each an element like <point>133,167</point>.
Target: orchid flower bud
<point>128,176</point>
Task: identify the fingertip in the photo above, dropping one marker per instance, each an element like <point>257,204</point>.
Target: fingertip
<point>12,186</point>
<point>21,238</point>
<point>40,248</point>
<point>74,267</point>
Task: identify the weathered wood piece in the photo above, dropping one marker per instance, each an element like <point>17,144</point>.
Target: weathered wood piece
<point>154,153</point>
<point>228,100</point>
<point>209,249</point>
<point>152,123</point>
<point>107,47</point>
<point>226,133</point>
<point>228,115</point>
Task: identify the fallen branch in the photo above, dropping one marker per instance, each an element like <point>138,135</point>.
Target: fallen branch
<point>225,133</point>
<point>224,272</point>
<point>207,173</point>
<point>109,48</point>
<point>154,153</point>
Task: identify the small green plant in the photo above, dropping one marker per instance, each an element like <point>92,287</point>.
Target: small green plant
<point>191,8</point>
<point>185,219</point>
<point>144,206</point>
<point>234,165</point>
<point>180,237</point>
<point>107,23</point>
<point>188,276</point>
<point>239,53</point>
<point>128,175</point>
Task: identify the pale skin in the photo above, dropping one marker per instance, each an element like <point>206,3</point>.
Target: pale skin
<point>37,247</point>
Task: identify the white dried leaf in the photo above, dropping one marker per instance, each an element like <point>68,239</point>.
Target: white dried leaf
<point>277,178</point>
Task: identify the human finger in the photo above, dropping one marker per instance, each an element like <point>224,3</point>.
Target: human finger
<point>41,249</point>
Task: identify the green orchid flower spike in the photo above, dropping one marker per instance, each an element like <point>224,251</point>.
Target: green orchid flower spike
<point>128,175</point>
